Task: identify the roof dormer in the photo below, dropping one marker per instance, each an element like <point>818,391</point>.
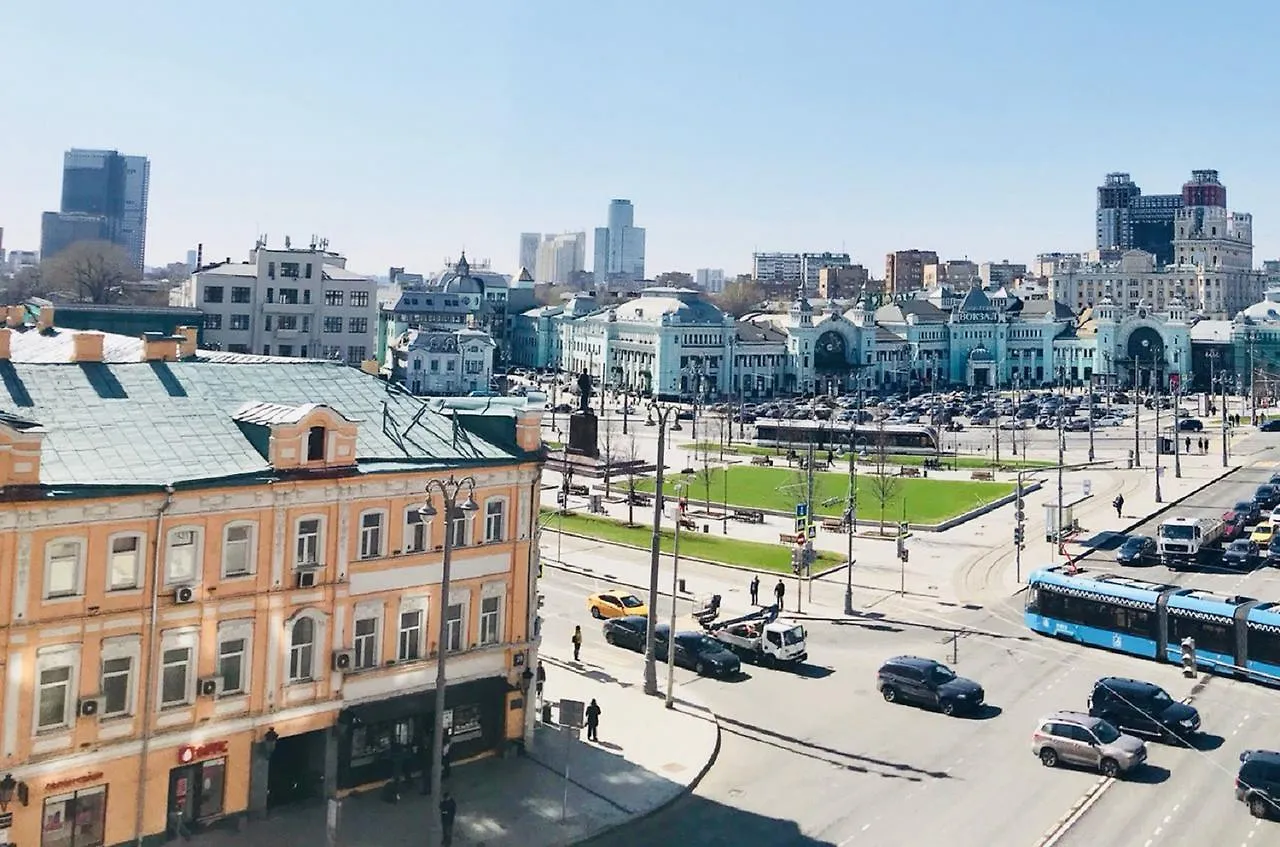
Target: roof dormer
<point>307,437</point>
<point>20,444</point>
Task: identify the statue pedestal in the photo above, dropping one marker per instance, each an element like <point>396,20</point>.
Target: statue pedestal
<point>583,434</point>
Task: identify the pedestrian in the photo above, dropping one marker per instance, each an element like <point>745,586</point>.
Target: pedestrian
<point>542,680</point>
<point>445,759</point>
<point>178,822</point>
<point>755,591</point>
<point>1188,445</point>
<point>779,591</point>
<point>1118,503</point>
<point>577,642</point>
<point>448,811</point>
<point>593,720</point>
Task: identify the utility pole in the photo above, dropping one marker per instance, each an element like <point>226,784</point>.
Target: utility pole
<point>808,499</point>
<point>1137,413</point>
<point>1061,446</point>
<point>1155,401</point>
<point>1091,417</point>
<point>1177,433</point>
<point>1222,383</point>
<point>1019,533</point>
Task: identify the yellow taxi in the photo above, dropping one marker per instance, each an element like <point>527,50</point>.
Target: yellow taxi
<point>1262,533</point>
<point>615,603</point>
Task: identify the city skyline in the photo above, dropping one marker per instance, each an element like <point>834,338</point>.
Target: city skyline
<point>709,193</point>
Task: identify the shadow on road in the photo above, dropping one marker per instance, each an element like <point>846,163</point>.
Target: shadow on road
<point>808,671</point>
<point>1105,540</point>
<point>1206,741</point>
<point>874,627</point>
<point>695,821</point>
<point>1148,774</point>
<point>985,712</point>
<point>840,758</point>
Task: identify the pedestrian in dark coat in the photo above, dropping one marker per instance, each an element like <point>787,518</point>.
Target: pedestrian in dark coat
<point>446,758</point>
<point>577,642</point>
<point>755,590</point>
<point>593,721</point>
<point>779,591</point>
<point>542,680</point>
<point>448,811</point>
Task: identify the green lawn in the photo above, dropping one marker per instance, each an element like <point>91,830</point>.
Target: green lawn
<point>928,501</point>
<point>962,462</point>
<point>713,548</point>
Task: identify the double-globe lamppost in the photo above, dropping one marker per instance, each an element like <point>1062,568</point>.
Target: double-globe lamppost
<point>448,490</point>
<point>655,548</point>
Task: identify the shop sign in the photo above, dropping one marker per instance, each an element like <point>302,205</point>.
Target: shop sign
<point>189,753</point>
<point>83,779</point>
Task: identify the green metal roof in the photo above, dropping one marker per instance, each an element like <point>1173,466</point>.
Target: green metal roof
<point>160,423</point>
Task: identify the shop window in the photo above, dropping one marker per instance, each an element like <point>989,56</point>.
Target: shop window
<point>75,820</point>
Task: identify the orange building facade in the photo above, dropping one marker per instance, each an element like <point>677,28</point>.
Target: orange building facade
<point>219,594</point>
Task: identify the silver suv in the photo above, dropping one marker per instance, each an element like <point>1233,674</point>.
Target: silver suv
<point>1075,738</point>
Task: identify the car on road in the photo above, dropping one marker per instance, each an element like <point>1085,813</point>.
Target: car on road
<point>1258,782</point>
<point>1262,533</point>
<point>911,679</point>
<point>627,631</point>
<point>1242,554</point>
<point>1270,426</point>
<point>1266,496</point>
<point>1191,425</point>
<point>1272,555</point>
<point>1144,708</point>
<point>1108,421</point>
<point>1248,510</point>
<point>1074,738</point>
<point>697,651</point>
<point>615,603</point>
<point>1138,550</point>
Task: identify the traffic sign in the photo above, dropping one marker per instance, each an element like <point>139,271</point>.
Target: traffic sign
<point>800,524</point>
<point>1174,381</point>
<point>813,531</point>
<point>802,510</point>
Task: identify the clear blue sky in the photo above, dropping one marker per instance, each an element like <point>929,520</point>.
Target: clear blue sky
<point>404,130</point>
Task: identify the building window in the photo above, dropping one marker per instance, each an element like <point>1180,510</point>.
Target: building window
<point>458,526</point>
<point>307,549</point>
<point>371,535</point>
<point>333,297</point>
<point>117,678</point>
<point>289,270</point>
<point>175,673</point>
<point>302,650</point>
<point>358,326</point>
<point>315,444</point>
<point>182,557</point>
<point>453,627</point>
<point>271,274</point>
<point>306,292</point>
<point>286,350</point>
<point>495,513</point>
<point>125,563</point>
<point>308,275</point>
<point>266,323</point>
<point>287,321</point>
<point>213,321</point>
<point>359,299</point>
<point>490,619</point>
<point>410,647</point>
<point>213,294</point>
<point>77,819</point>
<point>356,355</point>
<point>366,642</point>
<point>241,294</point>
<point>332,324</point>
<point>415,531</point>
<point>53,699</point>
<point>239,322</point>
<point>62,568</point>
<point>237,550</point>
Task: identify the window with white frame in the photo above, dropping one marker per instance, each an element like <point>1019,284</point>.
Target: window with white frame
<point>237,549</point>
<point>495,520</point>
<point>307,548</point>
<point>62,567</point>
<point>120,658</point>
<point>177,671</point>
<point>370,535</point>
<point>302,649</point>
<point>458,526</point>
<point>235,642</point>
<point>415,531</point>
<point>368,622</point>
<point>455,624</point>
<point>412,623</point>
<point>55,687</point>
<point>182,555</point>
<point>491,598</point>
<point>125,562</point>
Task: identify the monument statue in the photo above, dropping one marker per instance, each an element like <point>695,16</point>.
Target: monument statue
<point>584,393</point>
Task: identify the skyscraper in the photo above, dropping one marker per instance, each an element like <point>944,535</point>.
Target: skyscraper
<point>109,187</point>
<point>1127,219</point>
<point>619,248</point>
<point>559,257</point>
<point>529,242</point>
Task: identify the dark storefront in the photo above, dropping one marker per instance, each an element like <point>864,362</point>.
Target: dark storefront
<point>391,737</point>
<point>198,785</point>
<point>75,818</point>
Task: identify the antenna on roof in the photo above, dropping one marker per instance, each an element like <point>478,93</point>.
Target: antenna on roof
<point>288,243</point>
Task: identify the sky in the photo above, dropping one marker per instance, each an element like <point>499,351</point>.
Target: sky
<point>407,130</point>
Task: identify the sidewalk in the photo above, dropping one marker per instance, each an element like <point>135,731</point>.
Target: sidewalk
<point>646,758</point>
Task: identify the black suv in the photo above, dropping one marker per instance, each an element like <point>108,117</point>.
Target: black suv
<point>1266,496</point>
<point>1144,708</point>
<point>927,683</point>
<point>1258,782</point>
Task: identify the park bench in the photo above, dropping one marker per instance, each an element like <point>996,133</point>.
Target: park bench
<point>932,464</point>
<point>579,490</point>
<point>748,515</point>
<point>908,472</point>
<point>985,476</point>
<point>689,523</point>
<point>637,499</point>
<point>762,461</point>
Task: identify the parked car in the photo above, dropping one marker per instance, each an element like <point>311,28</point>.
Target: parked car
<point>1258,782</point>
<point>1191,425</point>
<point>910,679</point>
<point>1272,556</point>
<point>627,631</point>
<point>615,603</point>
<point>1074,738</point>
<point>1138,550</point>
<point>1270,426</point>
<point>696,651</point>
<point>1241,554</point>
<point>1141,707</point>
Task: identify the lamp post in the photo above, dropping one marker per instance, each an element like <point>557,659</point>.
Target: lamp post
<point>655,553</point>
<point>1222,386</point>
<point>1155,401</point>
<point>1137,413</point>
<point>675,583</point>
<point>851,518</point>
<point>448,490</point>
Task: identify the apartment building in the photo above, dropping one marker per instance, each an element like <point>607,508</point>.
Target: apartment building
<point>225,589</point>
<point>289,302</point>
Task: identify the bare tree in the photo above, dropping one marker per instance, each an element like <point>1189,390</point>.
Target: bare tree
<point>632,457</point>
<point>740,297</point>
<point>25,284</point>
<point>609,454</point>
<point>884,484</point>
<point>92,271</point>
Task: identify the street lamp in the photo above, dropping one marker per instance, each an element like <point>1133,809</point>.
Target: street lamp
<point>675,583</point>
<point>851,515</point>
<point>655,553</point>
<point>448,490</point>
<point>1155,401</point>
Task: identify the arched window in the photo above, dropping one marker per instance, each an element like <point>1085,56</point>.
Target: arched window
<point>302,650</point>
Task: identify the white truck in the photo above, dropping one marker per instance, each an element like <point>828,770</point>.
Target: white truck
<point>757,637</point>
<point>1186,541</point>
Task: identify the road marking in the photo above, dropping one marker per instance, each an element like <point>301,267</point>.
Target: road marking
<point>1168,818</point>
<point>1159,829</point>
<point>1071,818</point>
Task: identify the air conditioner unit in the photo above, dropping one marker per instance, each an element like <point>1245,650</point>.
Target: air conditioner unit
<point>89,707</point>
<point>305,579</point>
<point>184,594</point>
<point>209,686</point>
<point>344,660</point>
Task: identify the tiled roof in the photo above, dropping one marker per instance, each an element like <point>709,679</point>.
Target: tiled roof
<point>159,423</point>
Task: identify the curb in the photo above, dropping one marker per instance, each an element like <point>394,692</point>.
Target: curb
<point>573,569</point>
<point>685,558</point>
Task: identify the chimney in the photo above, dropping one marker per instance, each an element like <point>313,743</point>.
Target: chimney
<point>88,347</point>
<point>158,347</point>
<point>45,321</point>
<point>6,335</point>
<point>187,336</point>
<point>16,317</point>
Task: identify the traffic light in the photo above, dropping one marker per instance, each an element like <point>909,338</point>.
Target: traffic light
<point>902,548</point>
<point>1018,535</point>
